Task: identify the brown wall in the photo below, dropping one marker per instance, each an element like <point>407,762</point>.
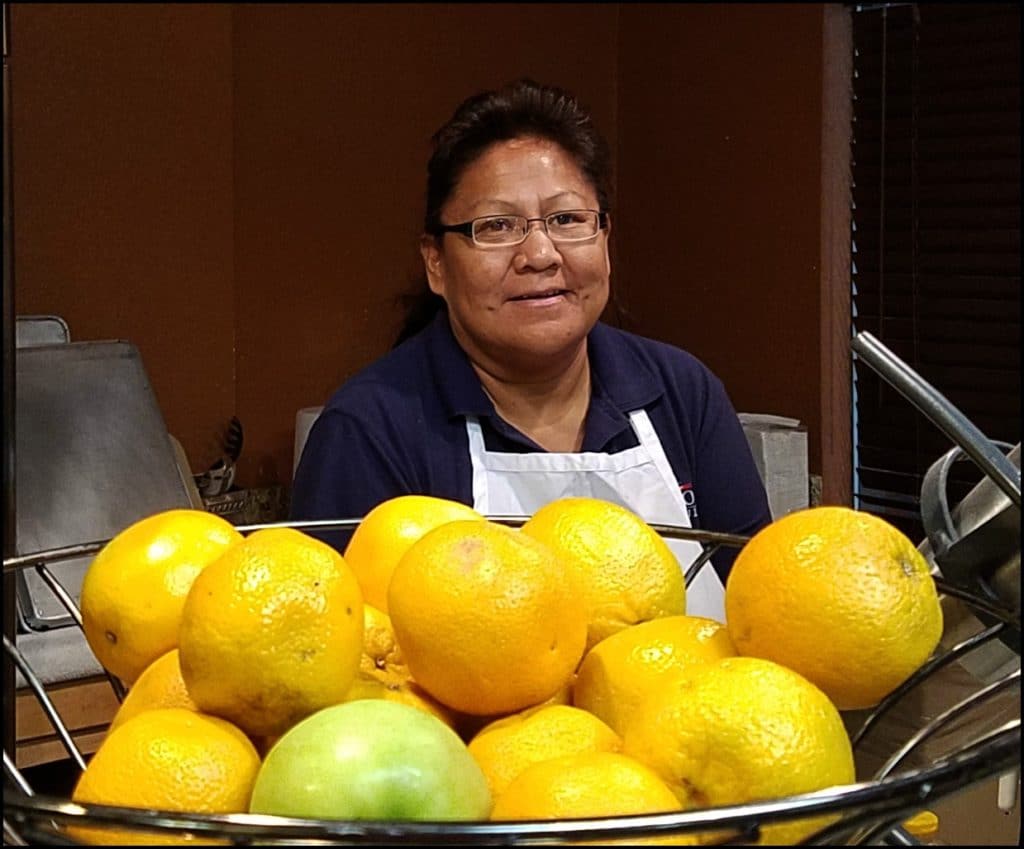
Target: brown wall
<point>334,109</point>
<point>123,195</point>
<point>719,187</point>
<point>237,189</point>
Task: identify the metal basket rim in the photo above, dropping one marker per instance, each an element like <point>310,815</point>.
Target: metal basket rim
<point>69,552</point>
<point>893,797</point>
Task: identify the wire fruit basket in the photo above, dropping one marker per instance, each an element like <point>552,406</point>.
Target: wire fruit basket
<point>864,812</point>
<point>932,755</point>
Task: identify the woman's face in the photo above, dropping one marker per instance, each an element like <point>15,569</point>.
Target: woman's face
<point>521,306</point>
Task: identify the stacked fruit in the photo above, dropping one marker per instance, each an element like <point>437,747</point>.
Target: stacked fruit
<point>448,667</point>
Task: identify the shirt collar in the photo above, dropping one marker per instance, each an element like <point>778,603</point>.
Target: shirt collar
<point>619,376</point>
<point>456,382</point>
<point>617,370</point>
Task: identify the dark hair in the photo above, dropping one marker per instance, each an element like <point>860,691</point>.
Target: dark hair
<point>522,108</point>
<point>518,109</point>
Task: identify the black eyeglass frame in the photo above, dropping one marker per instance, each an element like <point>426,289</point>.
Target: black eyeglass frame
<point>466,227</point>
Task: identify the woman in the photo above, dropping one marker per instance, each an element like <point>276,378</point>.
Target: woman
<point>514,393</point>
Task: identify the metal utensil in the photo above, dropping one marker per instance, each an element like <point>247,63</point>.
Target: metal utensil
<point>940,412</point>
<point>220,477</point>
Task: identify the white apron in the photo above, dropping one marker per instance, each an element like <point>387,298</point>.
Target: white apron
<point>639,478</point>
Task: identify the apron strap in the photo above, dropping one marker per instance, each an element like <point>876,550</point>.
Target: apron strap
<point>649,439</point>
<point>476,455</point>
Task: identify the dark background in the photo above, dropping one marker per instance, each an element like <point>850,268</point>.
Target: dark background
<point>238,189</point>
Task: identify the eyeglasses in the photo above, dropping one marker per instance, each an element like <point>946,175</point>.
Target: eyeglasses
<point>567,225</point>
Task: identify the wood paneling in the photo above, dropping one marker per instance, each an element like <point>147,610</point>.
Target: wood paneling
<point>237,189</point>
<point>836,165</point>
<point>334,110</point>
<point>123,204</point>
<point>85,707</point>
<point>720,191</point>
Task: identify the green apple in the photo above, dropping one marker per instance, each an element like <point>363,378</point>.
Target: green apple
<point>371,760</point>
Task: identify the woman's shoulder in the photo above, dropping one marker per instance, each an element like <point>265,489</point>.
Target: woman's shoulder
<point>627,351</point>
<point>383,382</point>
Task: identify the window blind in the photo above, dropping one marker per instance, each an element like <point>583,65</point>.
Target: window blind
<point>936,236</point>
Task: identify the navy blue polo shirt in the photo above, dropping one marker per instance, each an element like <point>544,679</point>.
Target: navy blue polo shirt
<point>399,427</point>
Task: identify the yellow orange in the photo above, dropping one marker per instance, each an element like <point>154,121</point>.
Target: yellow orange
<point>738,730</point>
<point>923,825</point>
<point>383,673</point>
<point>627,572</point>
<point>621,670</point>
<point>134,589</point>
<point>159,686</point>
<point>507,746</point>
<point>382,656</point>
<point>169,759</point>
<point>586,784</point>
<point>468,725</point>
<point>272,632</point>
<point>840,596</point>
<point>387,532</point>
<point>488,618</point>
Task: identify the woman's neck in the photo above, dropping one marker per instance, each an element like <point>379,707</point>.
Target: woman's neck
<point>551,410</point>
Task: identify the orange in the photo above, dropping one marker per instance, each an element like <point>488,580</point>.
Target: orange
<point>923,825</point>
<point>738,730</point>
<point>842,597</point>
<point>586,784</point>
<point>406,693</point>
<point>134,589</point>
<point>488,618</point>
<point>168,759</point>
<point>618,673</point>
<point>272,631</point>
<point>468,725</point>
<point>627,571</point>
<point>382,657</point>
<point>383,673</point>
<point>507,746</point>
<point>159,686</point>
<point>387,532</point>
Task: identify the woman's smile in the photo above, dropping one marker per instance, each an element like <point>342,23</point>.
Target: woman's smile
<point>541,297</point>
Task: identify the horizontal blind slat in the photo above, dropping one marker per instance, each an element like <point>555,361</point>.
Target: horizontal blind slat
<point>935,241</point>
